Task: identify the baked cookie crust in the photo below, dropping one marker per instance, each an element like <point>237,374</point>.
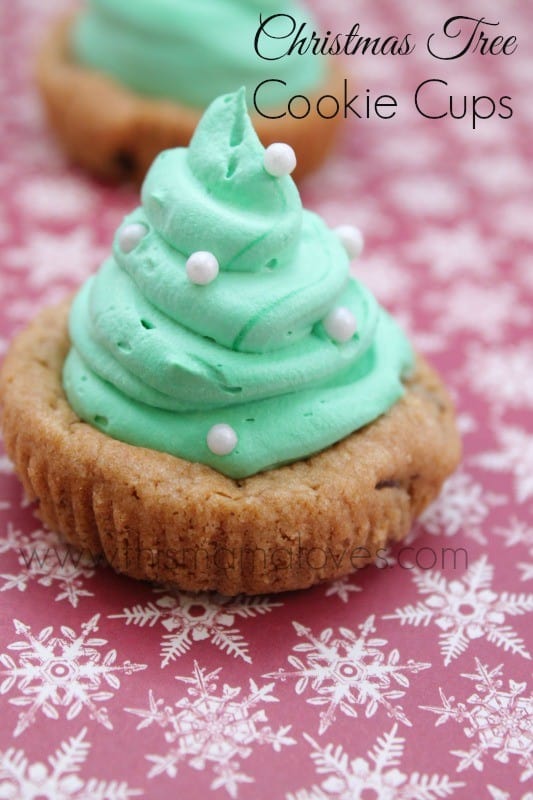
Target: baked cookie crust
<point>157,517</point>
<point>116,133</point>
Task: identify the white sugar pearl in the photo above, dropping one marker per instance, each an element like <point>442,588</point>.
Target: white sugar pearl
<point>130,235</point>
<point>222,439</point>
<point>279,159</point>
<point>201,267</point>
<point>340,324</point>
<point>351,239</point>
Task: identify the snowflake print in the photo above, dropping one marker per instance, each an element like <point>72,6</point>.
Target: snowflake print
<point>453,252</point>
<point>55,672</point>
<point>342,588</point>
<point>514,221</point>
<point>59,780</point>
<point>426,341</point>
<point>214,727</point>
<point>496,720</point>
<point>466,610</point>
<point>427,195</point>
<point>504,374</point>
<point>500,794</point>
<point>516,532</point>
<point>347,671</point>
<point>378,775</point>
<point>497,794</point>
<point>400,146</point>
<point>64,258</point>
<point>466,423</point>
<point>6,467</point>
<point>526,568</point>
<point>497,307</point>
<point>384,278</point>
<point>55,198</point>
<point>11,540</point>
<point>462,506</point>
<point>193,617</point>
<point>519,532</point>
<point>516,456</point>
<point>369,218</point>
<point>524,268</point>
<point>21,309</point>
<point>497,173</point>
<point>44,557</point>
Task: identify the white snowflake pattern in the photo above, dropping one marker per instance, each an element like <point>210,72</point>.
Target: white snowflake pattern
<point>516,456</point>
<point>369,218</point>
<point>514,221</point>
<point>450,253</point>
<point>59,779</point>
<point>11,540</point>
<point>497,172</point>
<point>6,467</point>
<point>519,532</point>
<point>499,794</point>
<point>190,617</point>
<point>354,779</point>
<point>466,610</point>
<point>384,278</point>
<point>524,267</point>
<point>516,532</point>
<point>44,557</point>
<point>425,341</point>
<point>494,718</point>
<point>427,195</point>
<point>55,197</point>
<point>400,147</point>
<point>496,308</point>
<point>215,727</point>
<point>64,258</point>
<point>466,423</point>
<point>61,672</point>
<point>22,308</point>
<point>504,374</point>
<point>348,670</point>
<point>342,588</point>
<point>462,507</point>
<point>526,568</point>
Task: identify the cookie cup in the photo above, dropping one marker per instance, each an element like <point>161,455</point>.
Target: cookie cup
<point>160,518</point>
<point>116,133</point>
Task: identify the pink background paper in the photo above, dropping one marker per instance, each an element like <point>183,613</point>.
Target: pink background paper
<point>392,683</point>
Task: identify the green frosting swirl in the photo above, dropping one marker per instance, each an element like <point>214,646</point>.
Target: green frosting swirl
<point>193,52</point>
<point>157,360</point>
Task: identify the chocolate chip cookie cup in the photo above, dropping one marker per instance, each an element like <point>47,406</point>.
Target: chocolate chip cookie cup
<point>222,406</point>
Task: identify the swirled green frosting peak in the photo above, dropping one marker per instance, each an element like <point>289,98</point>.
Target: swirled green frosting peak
<point>191,52</point>
<point>215,195</point>
<point>158,361</point>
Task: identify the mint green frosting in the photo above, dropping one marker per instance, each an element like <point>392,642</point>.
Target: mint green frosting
<point>191,52</point>
<point>157,360</point>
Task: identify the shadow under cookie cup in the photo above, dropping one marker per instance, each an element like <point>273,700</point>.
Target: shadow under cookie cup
<point>158,517</point>
<point>116,133</point>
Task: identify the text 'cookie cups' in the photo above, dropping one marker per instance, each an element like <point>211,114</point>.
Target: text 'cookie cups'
<point>227,409</point>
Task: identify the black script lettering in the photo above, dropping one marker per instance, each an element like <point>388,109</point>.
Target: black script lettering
<point>472,38</point>
<point>266,29</point>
